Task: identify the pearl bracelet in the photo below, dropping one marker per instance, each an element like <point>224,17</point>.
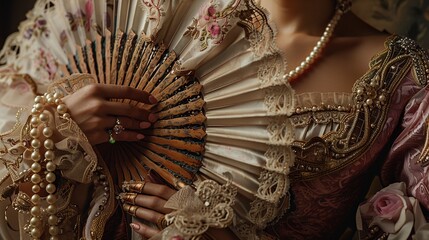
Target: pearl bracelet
<point>46,167</point>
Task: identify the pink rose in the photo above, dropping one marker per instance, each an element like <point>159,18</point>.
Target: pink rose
<point>214,29</point>
<point>391,210</point>
<point>211,11</point>
<point>388,205</point>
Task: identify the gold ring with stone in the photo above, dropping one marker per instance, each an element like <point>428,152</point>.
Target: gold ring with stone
<point>118,128</point>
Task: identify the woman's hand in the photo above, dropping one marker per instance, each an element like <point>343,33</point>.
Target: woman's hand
<point>147,203</point>
<point>91,109</point>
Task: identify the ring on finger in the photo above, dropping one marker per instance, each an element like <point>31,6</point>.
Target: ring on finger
<point>131,209</point>
<point>161,222</point>
<point>134,186</point>
<point>118,128</point>
<point>128,197</point>
<point>111,138</point>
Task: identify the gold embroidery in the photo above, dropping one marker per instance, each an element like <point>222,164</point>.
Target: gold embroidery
<point>358,125</point>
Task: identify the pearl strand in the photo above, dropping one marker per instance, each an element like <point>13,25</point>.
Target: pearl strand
<point>41,119</point>
<point>342,7</point>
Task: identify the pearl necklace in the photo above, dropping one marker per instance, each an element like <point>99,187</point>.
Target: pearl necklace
<point>342,7</point>
<point>44,166</point>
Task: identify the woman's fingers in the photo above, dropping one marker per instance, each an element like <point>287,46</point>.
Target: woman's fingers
<point>142,213</point>
<point>125,109</point>
<point>107,91</point>
<point>159,190</point>
<point>146,201</point>
<point>144,230</point>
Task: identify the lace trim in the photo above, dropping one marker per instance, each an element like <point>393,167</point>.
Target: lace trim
<point>280,102</point>
<point>209,206</point>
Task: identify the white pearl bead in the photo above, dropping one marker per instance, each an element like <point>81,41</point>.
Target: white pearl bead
<point>35,199</point>
<point>34,133</point>
<point>35,188</point>
<point>53,230</point>
<point>35,222</point>
<point>35,143</point>
<point>50,166</point>
<point>47,132</point>
<point>58,95</point>
<point>49,144</point>
<point>34,111</point>
<point>38,106</point>
<point>51,199</point>
<point>51,209</point>
<point>53,238</point>
<point>66,115</point>
<point>50,177</point>
<point>35,156</point>
<point>36,233</point>
<point>36,167</point>
<point>49,154</point>
<point>35,178</point>
<point>50,188</point>
<point>34,121</point>
<point>52,220</point>
<point>44,117</point>
<point>39,99</point>
<point>36,211</point>
<point>62,108</point>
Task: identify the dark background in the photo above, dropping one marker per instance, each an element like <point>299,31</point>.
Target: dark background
<point>12,12</point>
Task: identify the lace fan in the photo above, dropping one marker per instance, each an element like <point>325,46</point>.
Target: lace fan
<point>211,64</point>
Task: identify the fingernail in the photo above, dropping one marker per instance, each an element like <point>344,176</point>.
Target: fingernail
<point>140,136</point>
<point>153,117</point>
<point>152,99</point>
<point>145,125</point>
<point>135,226</point>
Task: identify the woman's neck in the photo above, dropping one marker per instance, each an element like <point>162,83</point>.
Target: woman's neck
<point>303,16</point>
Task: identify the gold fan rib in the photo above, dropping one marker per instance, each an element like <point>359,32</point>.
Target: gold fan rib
<point>179,133</point>
<point>174,99</point>
<point>197,119</point>
<point>180,109</point>
<point>175,155</point>
<point>178,144</point>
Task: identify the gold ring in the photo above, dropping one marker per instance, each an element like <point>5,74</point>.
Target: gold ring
<point>118,128</point>
<point>131,209</point>
<point>128,197</point>
<point>161,222</point>
<point>136,187</point>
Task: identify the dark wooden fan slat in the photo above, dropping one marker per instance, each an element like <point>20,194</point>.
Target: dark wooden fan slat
<point>197,119</point>
<point>125,57</point>
<point>72,64</point>
<point>168,79</point>
<point>162,92</point>
<point>108,56</point>
<point>175,155</point>
<point>153,62</point>
<point>160,72</point>
<point>116,54</point>
<point>99,59</point>
<point>150,154</point>
<point>90,58</point>
<point>164,173</point>
<point>134,59</point>
<point>194,90</point>
<point>196,147</point>
<point>183,108</point>
<point>147,55</point>
<point>198,133</point>
<point>129,162</point>
<point>81,60</point>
